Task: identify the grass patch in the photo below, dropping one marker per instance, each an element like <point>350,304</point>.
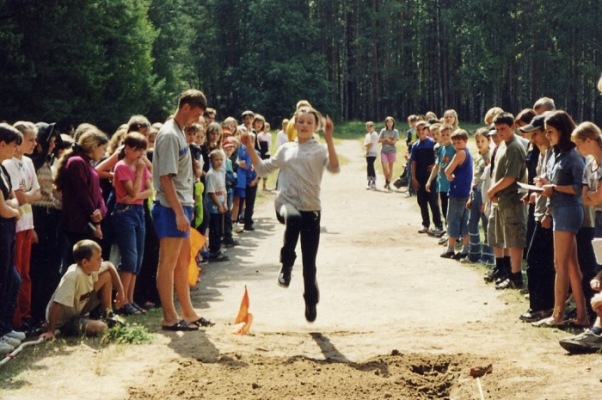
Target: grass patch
<point>126,334</point>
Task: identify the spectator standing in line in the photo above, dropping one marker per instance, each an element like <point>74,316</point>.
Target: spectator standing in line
<point>172,212</point>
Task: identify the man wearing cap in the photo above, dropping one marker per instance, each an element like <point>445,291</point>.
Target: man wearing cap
<point>540,253</point>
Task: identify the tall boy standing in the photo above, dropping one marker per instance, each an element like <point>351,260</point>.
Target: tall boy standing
<point>511,218</point>
<point>172,212</point>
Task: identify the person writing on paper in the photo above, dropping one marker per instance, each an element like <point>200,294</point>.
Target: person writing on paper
<point>562,186</point>
<point>588,139</point>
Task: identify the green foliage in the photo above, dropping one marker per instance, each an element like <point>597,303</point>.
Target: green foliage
<point>101,61</point>
<point>127,334</point>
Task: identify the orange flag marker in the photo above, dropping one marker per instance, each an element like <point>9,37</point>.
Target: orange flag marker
<point>196,244</point>
<point>244,319</point>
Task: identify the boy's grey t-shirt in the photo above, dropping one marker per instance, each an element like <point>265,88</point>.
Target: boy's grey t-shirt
<point>172,157</point>
<point>510,162</point>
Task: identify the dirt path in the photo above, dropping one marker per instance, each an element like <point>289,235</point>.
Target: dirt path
<point>394,321</point>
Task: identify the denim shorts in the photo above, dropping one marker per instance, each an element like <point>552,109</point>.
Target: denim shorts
<point>457,217</point>
<point>241,193</point>
<point>129,230</point>
<point>567,218</point>
<point>165,221</point>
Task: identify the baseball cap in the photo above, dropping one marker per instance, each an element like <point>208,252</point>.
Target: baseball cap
<point>536,123</point>
<point>228,143</point>
<point>492,130</point>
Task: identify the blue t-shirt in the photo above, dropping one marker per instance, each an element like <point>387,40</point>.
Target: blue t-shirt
<point>444,157</point>
<point>424,156</point>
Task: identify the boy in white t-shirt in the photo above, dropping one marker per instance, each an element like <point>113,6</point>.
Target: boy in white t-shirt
<point>27,190</point>
<point>87,284</point>
<point>217,205</point>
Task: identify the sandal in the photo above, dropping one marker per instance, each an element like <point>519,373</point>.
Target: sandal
<point>139,308</point>
<point>573,323</point>
<point>202,322</point>
<point>128,309</point>
<point>181,325</point>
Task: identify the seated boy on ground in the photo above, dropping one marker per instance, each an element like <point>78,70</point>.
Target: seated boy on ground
<point>87,284</point>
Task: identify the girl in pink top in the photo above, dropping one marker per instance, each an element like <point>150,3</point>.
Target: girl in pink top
<point>133,184</point>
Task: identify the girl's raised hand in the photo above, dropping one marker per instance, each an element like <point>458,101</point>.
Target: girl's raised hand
<point>328,128</point>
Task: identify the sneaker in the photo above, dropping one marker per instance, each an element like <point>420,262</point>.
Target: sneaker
<point>17,335</point>
<point>448,254</point>
<point>424,230</point>
<point>284,277</point>
<point>509,283</point>
<point>532,316</point>
<point>236,227</point>
<point>460,256</point>
<point>436,232</point>
<point>219,257</point>
<point>231,243</point>
<point>11,341</point>
<point>492,274</point>
<point>443,241</point>
<point>311,312</point>
<point>111,319</point>
<point>5,348</point>
<point>586,342</point>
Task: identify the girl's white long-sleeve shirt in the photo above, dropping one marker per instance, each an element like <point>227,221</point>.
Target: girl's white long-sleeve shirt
<point>301,168</point>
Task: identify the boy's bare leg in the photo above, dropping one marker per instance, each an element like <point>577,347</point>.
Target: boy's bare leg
<point>181,282</point>
<point>169,249</point>
<point>126,278</point>
<point>104,289</point>
<point>130,291</point>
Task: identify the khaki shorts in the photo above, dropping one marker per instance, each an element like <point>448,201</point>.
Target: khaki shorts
<point>491,224</point>
<point>511,226</point>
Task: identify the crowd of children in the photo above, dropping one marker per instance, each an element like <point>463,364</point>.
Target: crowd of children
<point>532,189</point>
<point>69,200</point>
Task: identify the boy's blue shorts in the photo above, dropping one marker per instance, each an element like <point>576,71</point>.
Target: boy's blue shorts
<point>239,192</point>
<point>164,220</point>
<point>457,217</point>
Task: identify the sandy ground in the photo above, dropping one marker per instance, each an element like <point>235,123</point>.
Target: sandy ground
<point>394,321</point>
